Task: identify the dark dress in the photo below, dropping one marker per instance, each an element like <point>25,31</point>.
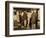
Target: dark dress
<point>25,18</point>
<point>34,17</point>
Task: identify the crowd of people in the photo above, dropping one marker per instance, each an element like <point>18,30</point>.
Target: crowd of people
<point>27,19</point>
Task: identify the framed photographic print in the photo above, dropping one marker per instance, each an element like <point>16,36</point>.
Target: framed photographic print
<point>24,18</point>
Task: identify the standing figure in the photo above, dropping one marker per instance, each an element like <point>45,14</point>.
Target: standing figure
<point>25,18</point>
<point>34,19</point>
<point>21,18</point>
<point>29,19</point>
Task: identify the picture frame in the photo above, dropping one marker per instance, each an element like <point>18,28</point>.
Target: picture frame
<point>12,7</point>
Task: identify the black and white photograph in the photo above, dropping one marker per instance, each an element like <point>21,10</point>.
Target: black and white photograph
<point>24,18</point>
